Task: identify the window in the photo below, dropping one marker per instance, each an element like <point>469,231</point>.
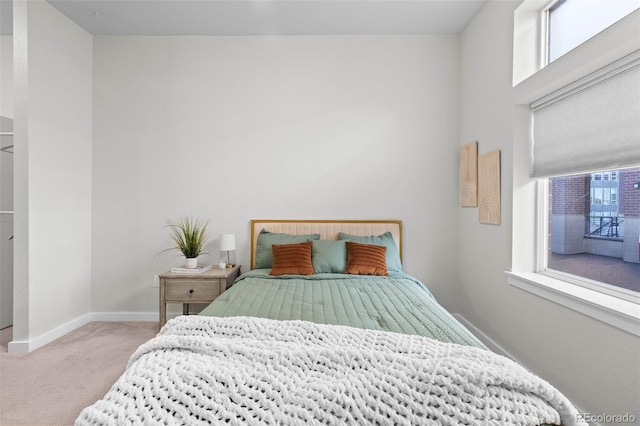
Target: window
<point>593,219</point>
<point>572,22</point>
<point>591,237</point>
<point>587,237</point>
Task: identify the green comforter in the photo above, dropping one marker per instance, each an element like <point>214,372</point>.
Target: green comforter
<point>397,303</point>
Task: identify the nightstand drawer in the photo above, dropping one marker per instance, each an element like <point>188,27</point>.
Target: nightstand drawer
<point>192,291</point>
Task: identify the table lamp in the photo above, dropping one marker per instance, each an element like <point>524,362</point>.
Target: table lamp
<point>228,243</point>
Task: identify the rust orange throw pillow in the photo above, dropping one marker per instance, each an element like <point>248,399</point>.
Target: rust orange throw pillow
<point>366,259</point>
<point>292,259</point>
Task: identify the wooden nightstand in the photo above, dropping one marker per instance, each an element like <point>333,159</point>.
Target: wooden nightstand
<point>201,287</point>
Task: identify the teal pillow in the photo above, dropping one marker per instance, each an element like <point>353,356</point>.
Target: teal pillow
<point>393,255</point>
<point>264,255</point>
<point>329,256</point>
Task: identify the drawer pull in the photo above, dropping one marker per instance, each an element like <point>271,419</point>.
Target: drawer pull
<point>191,291</point>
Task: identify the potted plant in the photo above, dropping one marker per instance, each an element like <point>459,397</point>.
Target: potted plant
<point>190,237</point>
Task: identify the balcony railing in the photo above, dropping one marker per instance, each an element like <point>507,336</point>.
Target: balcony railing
<point>605,226</point>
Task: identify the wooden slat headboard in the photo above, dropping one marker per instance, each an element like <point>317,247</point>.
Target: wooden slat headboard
<point>328,229</point>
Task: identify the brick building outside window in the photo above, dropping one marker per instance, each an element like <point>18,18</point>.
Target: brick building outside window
<point>596,213</point>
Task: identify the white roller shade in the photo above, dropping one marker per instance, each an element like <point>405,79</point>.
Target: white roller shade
<point>592,124</point>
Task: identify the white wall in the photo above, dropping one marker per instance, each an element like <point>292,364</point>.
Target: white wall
<point>237,128</point>
<point>53,122</point>
<point>595,365</point>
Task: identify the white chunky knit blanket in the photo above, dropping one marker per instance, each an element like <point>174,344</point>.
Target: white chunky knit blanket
<point>240,370</point>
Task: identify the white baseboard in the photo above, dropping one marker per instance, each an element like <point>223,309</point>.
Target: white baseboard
<point>24,346</point>
<point>483,337</point>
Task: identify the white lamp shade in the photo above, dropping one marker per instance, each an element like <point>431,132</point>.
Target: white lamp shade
<point>227,242</point>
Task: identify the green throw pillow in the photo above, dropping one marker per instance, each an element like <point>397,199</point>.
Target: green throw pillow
<point>329,256</point>
<point>264,255</point>
<point>392,256</point>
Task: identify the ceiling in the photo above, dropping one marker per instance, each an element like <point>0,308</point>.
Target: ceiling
<point>262,17</point>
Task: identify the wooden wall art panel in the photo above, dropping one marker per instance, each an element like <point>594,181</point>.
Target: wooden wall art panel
<point>469,175</point>
<point>489,187</point>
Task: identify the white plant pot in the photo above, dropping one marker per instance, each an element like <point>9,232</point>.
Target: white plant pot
<point>192,262</point>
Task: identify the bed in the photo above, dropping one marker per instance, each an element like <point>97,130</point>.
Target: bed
<point>325,328</point>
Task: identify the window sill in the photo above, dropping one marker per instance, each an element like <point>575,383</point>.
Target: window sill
<point>614,311</point>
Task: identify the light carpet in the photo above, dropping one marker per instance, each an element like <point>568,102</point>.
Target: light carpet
<point>51,385</point>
